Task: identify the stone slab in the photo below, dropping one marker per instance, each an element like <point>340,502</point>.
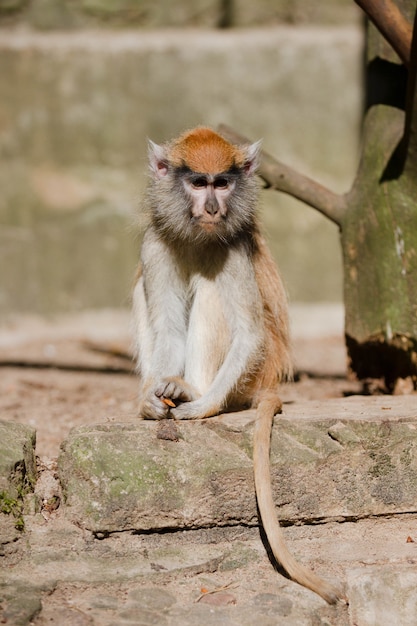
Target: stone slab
<point>120,477</point>
<point>340,464</point>
<point>383,595</point>
<point>156,579</point>
<point>19,604</point>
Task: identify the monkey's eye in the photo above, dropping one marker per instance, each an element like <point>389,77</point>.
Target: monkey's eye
<point>221,183</point>
<point>199,183</point>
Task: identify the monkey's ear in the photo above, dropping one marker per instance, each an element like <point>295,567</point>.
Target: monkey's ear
<point>253,157</point>
<point>158,161</point>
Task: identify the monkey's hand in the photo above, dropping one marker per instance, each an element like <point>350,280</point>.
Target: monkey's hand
<point>152,407</point>
<point>176,389</point>
<point>160,398</point>
<point>185,397</point>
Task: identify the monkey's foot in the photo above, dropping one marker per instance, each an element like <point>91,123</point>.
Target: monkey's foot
<point>193,410</point>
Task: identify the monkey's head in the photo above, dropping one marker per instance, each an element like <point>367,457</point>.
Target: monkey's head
<point>203,188</point>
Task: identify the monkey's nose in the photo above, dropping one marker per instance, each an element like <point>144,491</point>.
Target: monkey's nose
<point>211,206</point>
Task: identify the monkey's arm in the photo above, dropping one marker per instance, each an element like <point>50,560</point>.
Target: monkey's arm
<point>160,333</point>
<point>159,328</point>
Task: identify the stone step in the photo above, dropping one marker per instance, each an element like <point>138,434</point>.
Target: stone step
<point>337,460</point>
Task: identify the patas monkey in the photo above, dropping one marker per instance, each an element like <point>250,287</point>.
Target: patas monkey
<point>209,306</point>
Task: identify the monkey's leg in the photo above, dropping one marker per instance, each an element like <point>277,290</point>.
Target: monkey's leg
<point>208,340</point>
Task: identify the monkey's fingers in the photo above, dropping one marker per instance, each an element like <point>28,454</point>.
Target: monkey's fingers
<point>176,389</point>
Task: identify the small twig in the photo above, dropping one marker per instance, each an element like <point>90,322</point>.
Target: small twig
<point>64,367</point>
<point>109,349</point>
<point>283,178</point>
<point>392,24</point>
<point>231,585</point>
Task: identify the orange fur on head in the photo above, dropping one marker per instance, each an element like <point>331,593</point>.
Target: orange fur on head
<point>205,152</point>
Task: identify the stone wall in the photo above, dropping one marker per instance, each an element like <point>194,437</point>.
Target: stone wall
<point>80,94</point>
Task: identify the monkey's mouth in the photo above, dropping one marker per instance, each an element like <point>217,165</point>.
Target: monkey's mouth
<point>211,227</point>
<point>210,224</point>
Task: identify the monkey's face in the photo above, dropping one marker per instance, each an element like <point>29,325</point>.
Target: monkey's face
<point>209,195</point>
<point>216,206</point>
<point>198,208</point>
<point>209,200</point>
<point>203,188</point>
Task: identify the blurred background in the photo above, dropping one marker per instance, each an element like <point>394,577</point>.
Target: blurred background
<point>84,83</point>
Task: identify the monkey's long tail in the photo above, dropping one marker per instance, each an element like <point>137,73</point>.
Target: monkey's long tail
<point>266,409</point>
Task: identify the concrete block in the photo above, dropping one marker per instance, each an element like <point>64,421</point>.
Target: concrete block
<point>75,114</point>
<point>78,14</point>
<point>247,13</point>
